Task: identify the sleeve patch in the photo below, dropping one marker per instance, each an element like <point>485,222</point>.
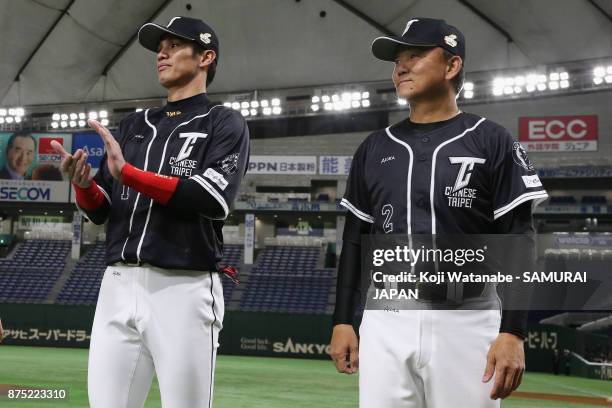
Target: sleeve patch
<point>519,154</point>
<point>216,178</point>
<point>532,181</point>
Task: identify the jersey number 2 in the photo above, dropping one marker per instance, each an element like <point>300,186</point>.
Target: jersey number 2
<point>387,211</point>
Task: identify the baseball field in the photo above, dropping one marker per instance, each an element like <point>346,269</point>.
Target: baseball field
<point>257,382</point>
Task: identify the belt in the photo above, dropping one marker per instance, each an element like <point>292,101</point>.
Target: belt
<point>448,292</point>
<point>137,263</point>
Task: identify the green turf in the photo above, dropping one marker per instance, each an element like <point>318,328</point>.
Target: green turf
<point>246,382</point>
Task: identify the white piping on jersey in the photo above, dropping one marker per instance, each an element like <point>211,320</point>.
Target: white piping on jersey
<point>409,181</point>
<point>359,214</point>
<point>534,195</point>
<point>161,164</point>
<point>146,163</point>
<point>83,213</point>
<point>433,172</point>
<point>105,195</point>
<point>211,190</point>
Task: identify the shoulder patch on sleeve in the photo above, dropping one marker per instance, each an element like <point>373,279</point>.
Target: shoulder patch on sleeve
<point>532,181</point>
<point>519,155</point>
<point>216,178</point>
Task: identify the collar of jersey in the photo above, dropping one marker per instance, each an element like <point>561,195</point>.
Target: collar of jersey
<point>408,126</point>
<point>187,103</point>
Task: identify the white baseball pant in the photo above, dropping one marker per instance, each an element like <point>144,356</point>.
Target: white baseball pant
<point>152,320</point>
<point>426,358</point>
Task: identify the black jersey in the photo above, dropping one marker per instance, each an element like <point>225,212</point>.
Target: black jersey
<point>190,139</point>
<point>457,178</point>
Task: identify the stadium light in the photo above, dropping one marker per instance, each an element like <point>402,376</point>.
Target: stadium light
<point>254,104</point>
<point>104,122</point>
<point>3,112</point>
<point>365,103</point>
<point>328,106</point>
<point>275,102</point>
<point>81,123</point>
<point>55,117</point>
<point>236,105</point>
<point>314,107</point>
<point>253,112</point>
<point>138,109</point>
<point>73,116</point>
<point>276,110</point>
<point>63,124</point>
<point>93,115</point>
<point>402,101</point>
<point>264,103</point>
<point>1,120</point>
<point>72,123</point>
<point>17,119</point>
<point>267,111</point>
<point>325,98</point>
<point>602,74</point>
<point>103,114</point>
<point>19,112</point>
<point>244,105</point>
<point>468,90</point>
<point>227,104</point>
<point>54,125</point>
<point>315,99</point>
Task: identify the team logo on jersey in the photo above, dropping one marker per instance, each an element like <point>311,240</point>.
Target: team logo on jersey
<point>229,164</point>
<point>190,139</point>
<point>459,195</point>
<point>519,155</point>
<point>180,165</point>
<point>173,114</point>
<point>451,40</point>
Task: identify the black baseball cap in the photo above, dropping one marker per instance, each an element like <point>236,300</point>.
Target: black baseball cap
<point>421,32</point>
<point>188,28</point>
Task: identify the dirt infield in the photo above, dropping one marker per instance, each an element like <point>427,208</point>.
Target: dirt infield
<point>600,401</point>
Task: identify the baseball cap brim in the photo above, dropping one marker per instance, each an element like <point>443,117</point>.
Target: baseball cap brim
<point>385,48</point>
<point>151,34</point>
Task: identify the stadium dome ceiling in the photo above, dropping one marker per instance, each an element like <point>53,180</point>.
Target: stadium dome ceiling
<point>71,51</point>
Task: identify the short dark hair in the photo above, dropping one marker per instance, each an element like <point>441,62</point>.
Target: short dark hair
<point>458,79</point>
<point>14,136</point>
<point>212,68</point>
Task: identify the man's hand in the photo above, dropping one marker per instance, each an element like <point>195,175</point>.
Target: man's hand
<point>75,167</point>
<point>115,160</point>
<point>344,349</point>
<point>506,358</point>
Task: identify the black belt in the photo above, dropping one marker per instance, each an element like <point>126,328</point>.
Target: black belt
<point>439,292</point>
<point>136,263</point>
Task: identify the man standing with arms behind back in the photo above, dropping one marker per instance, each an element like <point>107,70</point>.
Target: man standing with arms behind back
<point>412,178</point>
<point>165,186</point>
